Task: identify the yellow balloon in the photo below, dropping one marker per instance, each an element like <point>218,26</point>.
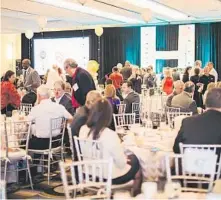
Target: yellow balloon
<point>92,66</point>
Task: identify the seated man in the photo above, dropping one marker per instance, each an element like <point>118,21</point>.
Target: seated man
<point>178,88</point>
<point>184,100</point>
<point>62,98</point>
<point>130,96</point>
<point>204,128</point>
<point>42,114</point>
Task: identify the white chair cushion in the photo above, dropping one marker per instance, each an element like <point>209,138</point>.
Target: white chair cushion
<point>16,155</point>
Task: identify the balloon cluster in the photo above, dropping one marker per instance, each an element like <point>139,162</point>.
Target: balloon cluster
<point>92,68</point>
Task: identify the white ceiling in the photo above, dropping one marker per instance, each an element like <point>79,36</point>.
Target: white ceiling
<point>20,15</point>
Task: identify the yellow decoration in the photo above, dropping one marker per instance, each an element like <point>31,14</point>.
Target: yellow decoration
<point>99,31</point>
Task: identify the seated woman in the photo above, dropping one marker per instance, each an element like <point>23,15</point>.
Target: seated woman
<point>110,94</point>
<point>124,169</point>
<point>10,99</point>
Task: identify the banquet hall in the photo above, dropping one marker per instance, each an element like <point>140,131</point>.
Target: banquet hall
<point>112,99</point>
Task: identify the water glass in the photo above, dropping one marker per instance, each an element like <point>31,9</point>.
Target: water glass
<point>149,189</point>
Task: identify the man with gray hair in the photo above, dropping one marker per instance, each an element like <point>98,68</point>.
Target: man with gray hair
<point>82,82</point>
<point>178,88</point>
<point>42,114</point>
<point>184,100</point>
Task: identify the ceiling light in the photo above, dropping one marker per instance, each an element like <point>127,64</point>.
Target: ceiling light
<point>90,11</point>
<point>159,8</point>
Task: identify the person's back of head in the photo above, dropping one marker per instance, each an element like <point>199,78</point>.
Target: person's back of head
<point>43,93</point>
<point>189,87</point>
<point>110,91</point>
<point>92,97</point>
<point>99,118</point>
<point>197,71</point>
<point>213,99</point>
<point>218,84</point>
<point>210,86</point>
<point>109,82</point>
<point>115,69</point>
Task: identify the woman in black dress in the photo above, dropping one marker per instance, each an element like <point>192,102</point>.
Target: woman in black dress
<point>197,95</point>
<point>186,75</point>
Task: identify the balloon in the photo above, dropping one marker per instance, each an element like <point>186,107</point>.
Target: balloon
<point>29,34</point>
<point>92,66</point>
<point>146,15</point>
<point>42,21</point>
<point>99,31</point>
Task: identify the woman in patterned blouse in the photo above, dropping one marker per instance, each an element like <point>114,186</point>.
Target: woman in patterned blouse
<point>10,99</point>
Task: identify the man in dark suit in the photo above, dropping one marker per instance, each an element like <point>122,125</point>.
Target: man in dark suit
<point>129,95</point>
<point>204,128</point>
<point>31,77</point>
<point>82,82</point>
<point>184,100</point>
<point>126,71</point>
<point>62,98</point>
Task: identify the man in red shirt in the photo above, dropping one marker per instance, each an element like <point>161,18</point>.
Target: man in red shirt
<point>116,77</point>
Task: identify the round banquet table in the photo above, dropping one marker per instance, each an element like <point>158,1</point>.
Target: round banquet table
<point>150,146</point>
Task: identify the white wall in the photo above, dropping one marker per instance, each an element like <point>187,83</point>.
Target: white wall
<point>10,51</point>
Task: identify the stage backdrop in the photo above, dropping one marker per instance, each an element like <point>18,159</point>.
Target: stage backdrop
<point>121,44</point>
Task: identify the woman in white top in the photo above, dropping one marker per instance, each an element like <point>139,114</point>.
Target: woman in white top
<point>124,168</point>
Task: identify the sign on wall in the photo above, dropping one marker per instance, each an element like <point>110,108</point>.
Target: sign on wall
<point>186,47</point>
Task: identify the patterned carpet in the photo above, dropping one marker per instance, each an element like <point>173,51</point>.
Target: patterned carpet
<point>41,188</point>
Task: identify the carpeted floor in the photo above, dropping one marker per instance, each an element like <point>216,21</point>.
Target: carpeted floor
<point>41,188</point>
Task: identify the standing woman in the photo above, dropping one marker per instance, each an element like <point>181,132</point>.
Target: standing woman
<point>186,75</point>
<point>196,80</point>
<point>10,99</point>
<point>167,82</point>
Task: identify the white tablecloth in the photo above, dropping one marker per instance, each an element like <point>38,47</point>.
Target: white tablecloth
<point>150,147</point>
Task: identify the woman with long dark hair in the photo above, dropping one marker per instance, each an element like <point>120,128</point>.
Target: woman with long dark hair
<point>195,79</point>
<point>10,99</point>
<point>186,75</point>
<point>124,168</point>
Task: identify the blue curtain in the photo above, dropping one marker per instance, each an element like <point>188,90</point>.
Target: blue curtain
<point>203,43</point>
<point>208,44</point>
<point>166,40</point>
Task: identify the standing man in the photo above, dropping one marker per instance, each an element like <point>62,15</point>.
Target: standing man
<point>31,77</point>
<point>82,82</point>
<point>126,71</point>
<point>116,77</point>
<point>212,71</point>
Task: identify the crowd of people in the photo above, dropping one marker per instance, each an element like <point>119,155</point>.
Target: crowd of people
<point>90,112</point>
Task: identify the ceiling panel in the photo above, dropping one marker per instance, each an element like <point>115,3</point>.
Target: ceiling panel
<point>20,15</point>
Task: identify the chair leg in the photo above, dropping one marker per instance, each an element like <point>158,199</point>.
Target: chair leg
<point>29,174</point>
<point>5,170</point>
<point>49,168</point>
<point>62,154</point>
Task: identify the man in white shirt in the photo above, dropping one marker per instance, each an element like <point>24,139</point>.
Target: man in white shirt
<point>212,71</point>
<point>42,114</point>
